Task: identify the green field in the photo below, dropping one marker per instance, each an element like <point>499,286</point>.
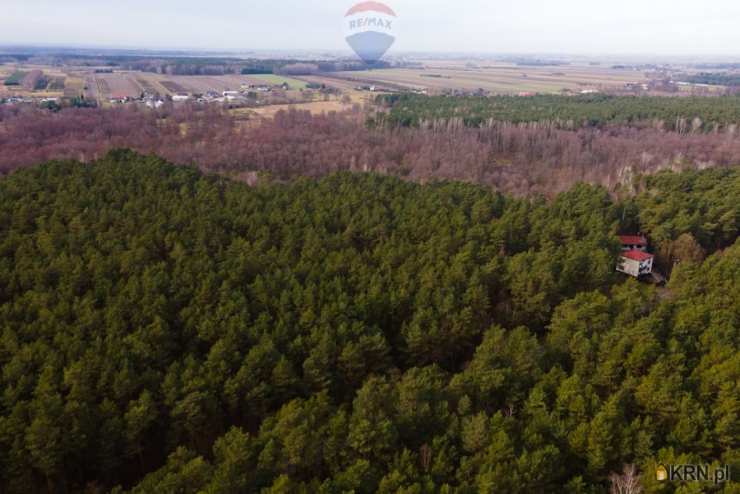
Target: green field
<point>278,79</point>
<point>15,79</point>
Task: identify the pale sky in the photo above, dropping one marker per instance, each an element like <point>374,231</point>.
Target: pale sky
<point>650,27</point>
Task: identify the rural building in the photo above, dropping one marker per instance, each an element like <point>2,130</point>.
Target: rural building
<point>636,263</point>
<point>633,242</point>
<point>118,98</point>
<point>635,260</point>
<point>234,97</point>
<point>180,97</point>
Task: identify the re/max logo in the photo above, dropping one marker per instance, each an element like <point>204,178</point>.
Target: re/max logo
<point>370,22</point>
<point>693,473</point>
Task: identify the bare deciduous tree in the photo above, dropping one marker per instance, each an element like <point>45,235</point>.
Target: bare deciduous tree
<point>628,482</point>
<point>521,159</point>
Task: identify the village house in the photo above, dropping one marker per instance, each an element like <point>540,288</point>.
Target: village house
<point>233,96</point>
<point>635,260</point>
<point>636,263</point>
<point>118,99</point>
<point>633,242</point>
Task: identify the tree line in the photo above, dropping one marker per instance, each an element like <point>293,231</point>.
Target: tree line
<point>526,159</point>
<point>713,78</point>
<point>169,331</point>
<point>680,114</point>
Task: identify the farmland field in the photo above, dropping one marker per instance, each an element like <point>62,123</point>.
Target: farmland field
<point>118,85</point>
<point>173,87</point>
<point>505,79</point>
<point>56,84</point>
<point>329,81</point>
<point>35,81</point>
<point>90,88</point>
<point>315,108</point>
<point>73,87</point>
<point>203,84</point>
<point>104,86</point>
<point>152,83</point>
<point>16,78</point>
<point>146,85</point>
<point>199,84</point>
<point>347,87</point>
<point>278,79</point>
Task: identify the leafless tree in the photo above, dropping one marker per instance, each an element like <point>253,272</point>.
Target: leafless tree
<point>518,159</point>
<point>628,482</point>
<point>425,453</point>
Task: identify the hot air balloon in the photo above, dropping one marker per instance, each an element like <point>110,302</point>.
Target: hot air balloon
<point>368,28</point>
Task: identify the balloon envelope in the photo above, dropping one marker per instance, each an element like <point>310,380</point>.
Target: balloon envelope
<point>369,30</point>
<point>369,46</point>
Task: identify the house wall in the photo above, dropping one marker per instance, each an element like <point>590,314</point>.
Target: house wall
<point>646,267</point>
<point>628,266</point>
<point>635,268</point>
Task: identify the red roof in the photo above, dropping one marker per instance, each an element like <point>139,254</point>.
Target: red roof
<point>633,240</point>
<point>637,255</point>
<point>370,6</point>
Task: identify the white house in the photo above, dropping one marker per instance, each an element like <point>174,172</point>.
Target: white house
<point>180,97</point>
<point>234,97</point>
<point>635,261</point>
